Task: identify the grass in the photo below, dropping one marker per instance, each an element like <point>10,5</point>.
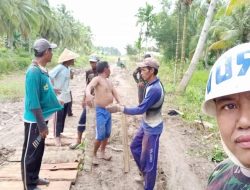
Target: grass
<point>189,103</point>
<point>12,86</point>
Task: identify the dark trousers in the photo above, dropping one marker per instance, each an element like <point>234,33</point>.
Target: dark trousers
<point>32,155</point>
<point>70,113</point>
<point>82,122</point>
<point>59,121</point>
<point>144,148</point>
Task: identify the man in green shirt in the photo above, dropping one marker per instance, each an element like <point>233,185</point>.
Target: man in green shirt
<point>40,103</point>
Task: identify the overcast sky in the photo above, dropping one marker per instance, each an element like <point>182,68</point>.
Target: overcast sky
<point>113,22</point>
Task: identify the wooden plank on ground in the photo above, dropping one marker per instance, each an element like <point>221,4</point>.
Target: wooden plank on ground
<point>16,157</point>
<point>89,139</point>
<point>64,135</point>
<point>60,166</point>
<point>60,175</point>
<point>57,185</point>
<point>54,185</point>
<point>55,166</point>
<point>125,143</point>
<point>13,173</point>
<point>65,141</point>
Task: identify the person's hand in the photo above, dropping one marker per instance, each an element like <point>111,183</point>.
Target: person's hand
<point>83,104</point>
<point>57,91</point>
<point>89,100</point>
<point>44,132</point>
<point>140,84</point>
<point>115,108</point>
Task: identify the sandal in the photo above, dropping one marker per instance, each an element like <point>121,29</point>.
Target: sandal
<point>95,161</point>
<point>73,146</point>
<point>106,157</point>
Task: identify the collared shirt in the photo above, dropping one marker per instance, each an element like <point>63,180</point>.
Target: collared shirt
<point>39,93</point>
<point>60,76</point>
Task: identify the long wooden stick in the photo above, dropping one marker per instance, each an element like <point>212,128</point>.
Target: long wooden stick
<point>125,143</point>
<point>89,138</point>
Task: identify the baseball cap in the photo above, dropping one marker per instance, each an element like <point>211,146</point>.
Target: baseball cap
<point>94,58</point>
<point>149,62</point>
<point>146,55</point>
<point>40,45</point>
<point>67,55</point>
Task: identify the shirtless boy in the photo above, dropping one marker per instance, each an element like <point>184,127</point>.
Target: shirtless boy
<point>104,95</point>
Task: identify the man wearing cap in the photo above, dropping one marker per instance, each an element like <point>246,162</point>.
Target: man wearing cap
<point>145,144</point>
<point>40,104</point>
<point>60,77</point>
<point>141,83</point>
<point>90,74</point>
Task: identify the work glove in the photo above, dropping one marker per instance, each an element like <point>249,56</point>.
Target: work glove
<point>115,108</point>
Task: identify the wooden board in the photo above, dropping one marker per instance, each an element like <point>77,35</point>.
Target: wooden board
<point>60,166</point>
<point>64,171</point>
<point>89,138</point>
<point>125,143</point>
<point>54,185</point>
<point>65,141</point>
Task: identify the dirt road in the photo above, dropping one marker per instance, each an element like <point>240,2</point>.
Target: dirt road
<point>177,168</point>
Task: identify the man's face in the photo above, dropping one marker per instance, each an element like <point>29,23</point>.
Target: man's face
<point>146,73</point>
<point>107,71</point>
<point>93,65</point>
<point>233,117</point>
<point>48,54</point>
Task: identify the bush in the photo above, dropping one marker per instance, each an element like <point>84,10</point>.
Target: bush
<point>12,60</point>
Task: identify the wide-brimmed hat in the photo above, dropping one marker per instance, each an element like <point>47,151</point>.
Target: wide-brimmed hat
<point>40,45</point>
<point>67,55</point>
<point>149,62</point>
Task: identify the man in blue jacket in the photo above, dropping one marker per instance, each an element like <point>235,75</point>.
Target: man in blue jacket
<point>145,144</point>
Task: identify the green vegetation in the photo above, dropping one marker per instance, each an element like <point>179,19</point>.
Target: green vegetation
<point>12,86</point>
<point>218,154</point>
<point>13,60</point>
<point>175,29</point>
<point>189,103</point>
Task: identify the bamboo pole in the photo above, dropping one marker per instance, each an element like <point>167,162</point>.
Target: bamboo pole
<point>125,143</point>
<point>89,138</point>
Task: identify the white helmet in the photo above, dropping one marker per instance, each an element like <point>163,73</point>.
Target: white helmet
<point>229,75</point>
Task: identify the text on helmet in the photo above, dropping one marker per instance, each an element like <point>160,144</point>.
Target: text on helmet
<point>224,72</point>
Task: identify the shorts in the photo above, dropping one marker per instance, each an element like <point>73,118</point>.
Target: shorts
<point>103,123</point>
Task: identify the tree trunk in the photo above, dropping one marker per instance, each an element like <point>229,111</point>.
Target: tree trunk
<point>199,48</point>
<point>177,42</point>
<point>184,36</point>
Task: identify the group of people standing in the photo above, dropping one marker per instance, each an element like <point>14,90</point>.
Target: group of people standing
<point>47,95</point>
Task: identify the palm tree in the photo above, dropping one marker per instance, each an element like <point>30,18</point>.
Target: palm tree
<point>198,51</point>
<point>177,48</point>
<point>146,19</point>
<point>232,29</point>
<point>186,6</point>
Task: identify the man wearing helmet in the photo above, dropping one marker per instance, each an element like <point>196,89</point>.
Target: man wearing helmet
<point>90,74</point>
<point>228,100</point>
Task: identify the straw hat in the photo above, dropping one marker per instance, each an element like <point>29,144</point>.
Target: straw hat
<point>67,55</point>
